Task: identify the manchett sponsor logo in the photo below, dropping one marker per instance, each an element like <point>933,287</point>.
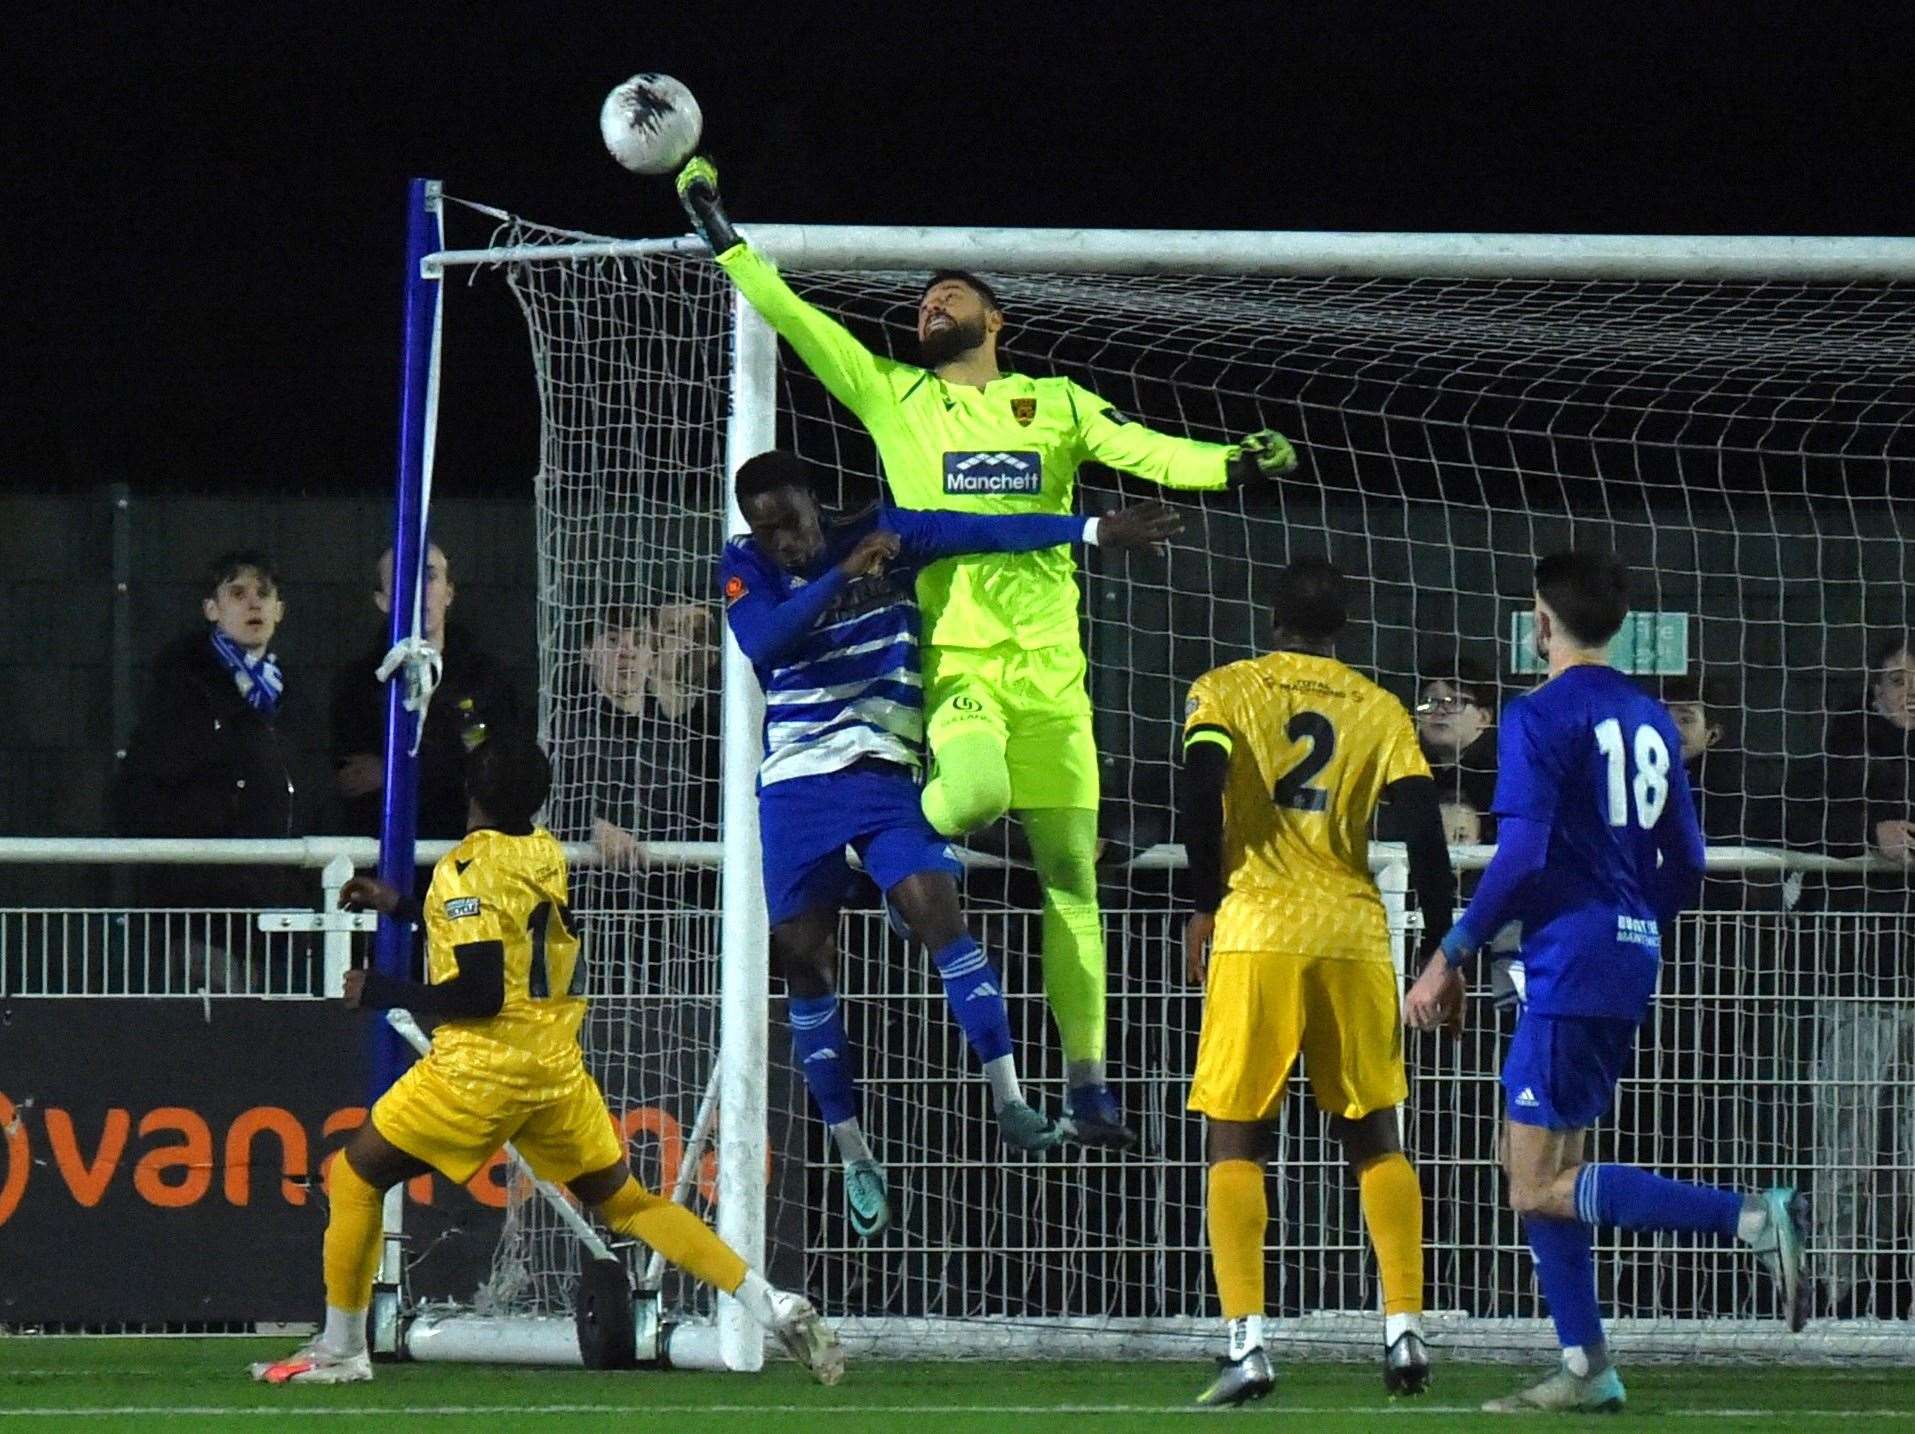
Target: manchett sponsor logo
<point>989,474</point>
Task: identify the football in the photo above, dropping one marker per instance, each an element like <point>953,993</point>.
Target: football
<point>651,124</point>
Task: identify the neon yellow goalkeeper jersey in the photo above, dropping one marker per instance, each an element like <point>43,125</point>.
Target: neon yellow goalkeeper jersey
<point>1012,446</point>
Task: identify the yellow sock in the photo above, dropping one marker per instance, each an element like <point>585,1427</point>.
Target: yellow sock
<point>1393,1209</point>
<point>1239,1211</point>
<point>675,1233</point>
<point>353,1231</point>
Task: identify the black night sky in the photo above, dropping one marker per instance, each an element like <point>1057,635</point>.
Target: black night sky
<point>205,202</point>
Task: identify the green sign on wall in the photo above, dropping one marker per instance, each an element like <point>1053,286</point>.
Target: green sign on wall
<point>1655,644</point>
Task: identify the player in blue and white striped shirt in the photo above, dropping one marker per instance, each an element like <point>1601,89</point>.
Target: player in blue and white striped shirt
<point>824,608</point>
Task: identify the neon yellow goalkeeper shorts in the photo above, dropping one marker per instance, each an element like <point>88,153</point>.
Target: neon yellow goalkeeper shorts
<point>1033,701</point>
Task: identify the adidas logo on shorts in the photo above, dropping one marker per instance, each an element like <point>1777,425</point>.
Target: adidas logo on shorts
<point>1526,1096</point>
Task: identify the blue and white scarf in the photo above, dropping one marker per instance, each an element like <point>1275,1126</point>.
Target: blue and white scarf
<point>258,678</point>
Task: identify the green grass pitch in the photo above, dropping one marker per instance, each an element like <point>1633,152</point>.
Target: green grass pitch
<point>193,1384</point>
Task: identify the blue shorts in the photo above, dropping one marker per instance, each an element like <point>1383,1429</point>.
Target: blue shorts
<point>805,823</point>
<point>1561,1071</point>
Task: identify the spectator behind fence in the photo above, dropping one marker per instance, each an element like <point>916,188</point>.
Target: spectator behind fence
<point>474,697</point>
<point>1865,1042</point>
<point>209,757</point>
<point>639,731</point>
<point>1729,807</point>
<point>1456,727</point>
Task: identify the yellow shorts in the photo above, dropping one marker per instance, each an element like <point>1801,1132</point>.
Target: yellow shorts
<point>456,1125</point>
<point>1264,1008</point>
<point>1034,702</point>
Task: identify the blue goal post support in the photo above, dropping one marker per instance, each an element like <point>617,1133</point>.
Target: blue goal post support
<point>388,1055</point>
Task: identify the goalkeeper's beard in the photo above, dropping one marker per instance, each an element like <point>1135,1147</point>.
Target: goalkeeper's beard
<point>942,346</point>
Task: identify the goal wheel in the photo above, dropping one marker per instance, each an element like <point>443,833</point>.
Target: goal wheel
<point>607,1336</point>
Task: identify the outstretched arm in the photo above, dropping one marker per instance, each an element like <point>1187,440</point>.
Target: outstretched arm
<point>1122,443</point>
<point>925,536</point>
<point>853,374</point>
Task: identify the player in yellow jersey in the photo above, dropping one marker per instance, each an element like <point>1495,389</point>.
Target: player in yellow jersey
<point>1286,757</point>
<point>1007,716</point>
<point>506,983</point>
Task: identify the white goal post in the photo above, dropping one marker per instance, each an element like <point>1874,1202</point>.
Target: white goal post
<point>1482,332</point>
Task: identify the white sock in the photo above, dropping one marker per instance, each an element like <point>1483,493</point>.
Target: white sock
<point>1397,1325</point>
<point>755,1295</point>
<point>850,1138</point>
<point>1002,1074</point>
<point>1246,1334</point>
<point>345,1331</point>
<point>1078,1073</point>
<point>1576,1361</point>
<point>1753,1223</point>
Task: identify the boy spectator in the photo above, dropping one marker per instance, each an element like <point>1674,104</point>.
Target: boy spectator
<point>1729,812</point>
<point>474,697</point>
<point>638,731</point>
<point>1456,727</point>
<point>209,757</point>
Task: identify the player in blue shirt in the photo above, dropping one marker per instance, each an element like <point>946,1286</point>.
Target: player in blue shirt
<point>1597,854</point>
<point>825,609</point>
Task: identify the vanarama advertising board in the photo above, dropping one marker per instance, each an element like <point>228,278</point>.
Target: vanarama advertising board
<point>164,1161</point>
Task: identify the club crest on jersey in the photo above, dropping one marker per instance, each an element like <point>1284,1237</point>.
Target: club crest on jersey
<point>462,906</point>
<point>1024,410</point>
<point>994,475</point>
<point>734,588</point>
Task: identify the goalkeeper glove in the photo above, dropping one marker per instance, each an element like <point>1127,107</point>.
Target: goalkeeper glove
<point>1263,454</point>
<point>698,192</point>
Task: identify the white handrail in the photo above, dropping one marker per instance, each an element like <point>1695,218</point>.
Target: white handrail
<point>363,852</point>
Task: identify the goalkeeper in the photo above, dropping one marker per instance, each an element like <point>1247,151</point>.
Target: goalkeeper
<point>1008,718</point>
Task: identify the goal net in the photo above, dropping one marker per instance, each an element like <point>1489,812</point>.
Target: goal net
<point>1745,442</point>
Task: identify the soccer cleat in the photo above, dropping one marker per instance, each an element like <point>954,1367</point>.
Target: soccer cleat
<point>1093,1116</point>
<point>806,1337</point>
<point>1406,1364</point>
<point>314,1363</point>
<point>1239,1381</point>
<point>1566,1393</point>
<point>1026,1129</point>
<point>866,1198</point>
<point>1780,1248</point>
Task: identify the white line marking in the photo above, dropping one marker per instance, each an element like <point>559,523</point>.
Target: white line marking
<point>201,1411</point>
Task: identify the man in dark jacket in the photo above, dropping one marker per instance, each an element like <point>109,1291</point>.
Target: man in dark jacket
<point>209,758</point>
<point>1865,981</point>
<point>474,697</point>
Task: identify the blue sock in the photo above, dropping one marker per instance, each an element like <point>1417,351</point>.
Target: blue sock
<point>1568,1276</point>
<point>1637,1200</point>
<point>976,997</point>
<point>817,1036</point>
